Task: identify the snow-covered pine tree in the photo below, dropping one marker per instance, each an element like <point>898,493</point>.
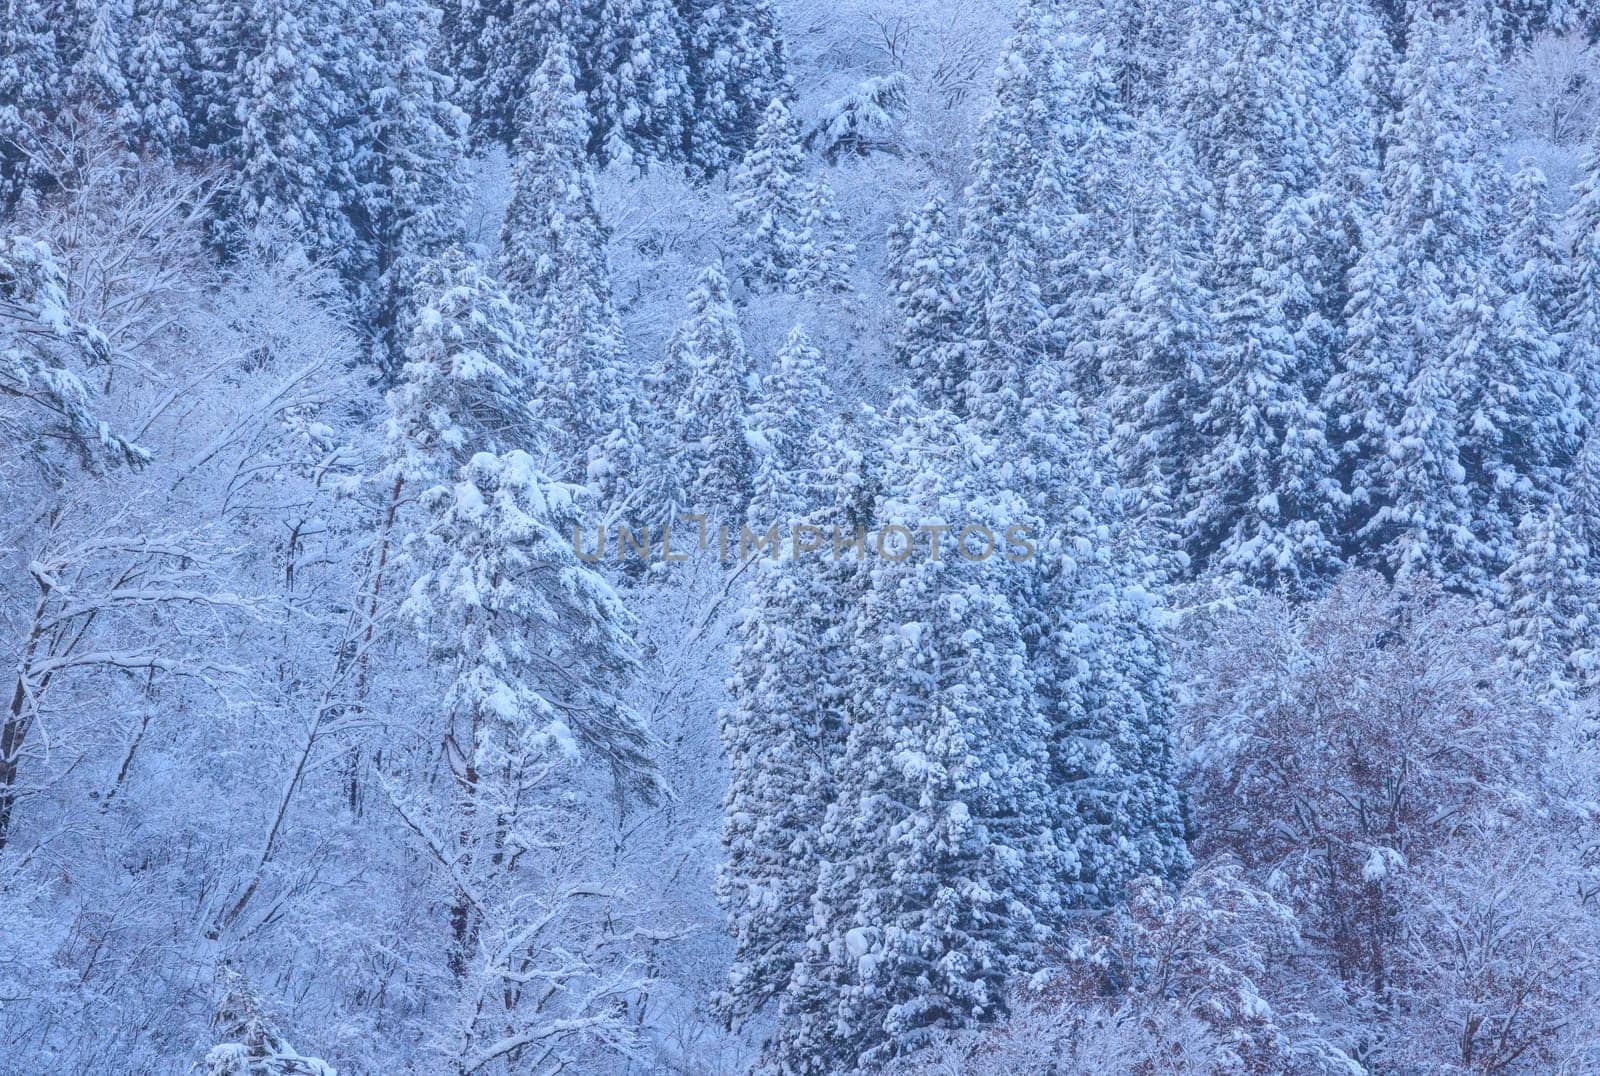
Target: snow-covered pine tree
<point>553,260</point>
<point>1078,213</point>
<point>296,180</point>
<point>1395,399</point>
<point>1266,491</point>
<point>494,46</point>
<point>95,40</point>
<point>32,81</point>
<point>790,685</point>
<point>1157,378</point>
<point>47,356</point>
<point>792,413</point>
<point>867,120</point>
<point>1581,321</point>
<point>1022,177</point>
<point>640,101</point>
<point>464,387</point>
<point>787,224</point>
<point>414,140</point>
<point>1015,138</point>
<point>717,460</point>
<point>937,854</point>
<point>929,272</point>
<point>1097,664</point>
<point>537,646</point>
<point>1536,267</point>
<point>735,55</point>
<point>1549,598</point>
<point>160,74</point>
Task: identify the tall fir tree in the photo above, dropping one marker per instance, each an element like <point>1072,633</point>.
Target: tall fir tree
<point>414,142</point>
<point>1097,663</point>
<point>929,287</point>
<point>788,226</point>
<point>708,347</point>
<point>736,67</point>
<point>640,91</point>
<point>790,689</point>
<point>33,80</point>
<point>295,160</point>
<point>1581,320</point>
<point>1157,379</point>
<point>553,259</point>
<point>793,411</point>
<point>936,877</point>
<point>161,76</point>
<point>464,386</point>
<point>1395,402</point>
<point>1549,598</point>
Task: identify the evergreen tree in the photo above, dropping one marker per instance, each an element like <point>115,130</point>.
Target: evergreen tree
<point>1582,316</point>
<point>790,690</point>
<point>1266,491</point>
<point>92,35</point>
<point>936,855</point>
<point>295,163</point>
<point>1015,140</point>
<point>1078,212</point>
<point>536,645</point>
<point>414,140</point>
<point>464,386</point>
<point>786,220</point>
<point>640,97</point>
<point>1158,377</point>
<point>790,419</point>
<point>1549,598</point>
<point>1395,398</point>
<point>1536,268</point>
<point>251,1043</point>
<point>160,76</point>
<point>553,259</point>
<point>711,416</point>
<point>1097,665</point>
<point>929,268</point>
<point>736,66</point>
<point>32,84</point>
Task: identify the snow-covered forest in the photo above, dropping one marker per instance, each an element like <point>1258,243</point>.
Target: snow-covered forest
<point>800,537</point>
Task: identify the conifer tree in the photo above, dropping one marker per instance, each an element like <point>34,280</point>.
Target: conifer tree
<point>1267,493</point>
<point>1395,398</point>
<point>1158,376</point>
<point>295,166</point>
<point>790,688</point>
<point>251,1044</point>
<point>718,462</point>
<point>1078,211</point>
<point>415,142</point>
<point>786,219</point>
<point>1549,598</point>
<point>1536,268</point>
<point>1582,314</point>
<point>553,259</point>
<point>536,645</point>
<point>464,386</point>
<point>736,68</point>
<point>1097,664</point>
<point>640,96</point>
<point>790,418</point>
<point>935,876</point>
<point>929,269</point>
<point>161,78</point>
<point>32,83</point>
